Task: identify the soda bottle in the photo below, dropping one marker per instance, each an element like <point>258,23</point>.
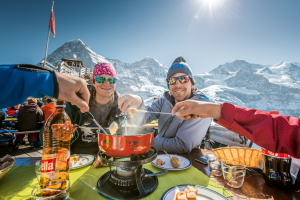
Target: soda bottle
<point>56,151</point>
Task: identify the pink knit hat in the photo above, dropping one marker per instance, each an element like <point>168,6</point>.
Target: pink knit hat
<point>104,69</point>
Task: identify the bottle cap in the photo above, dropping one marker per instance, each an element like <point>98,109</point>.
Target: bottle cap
<point>60,104</point>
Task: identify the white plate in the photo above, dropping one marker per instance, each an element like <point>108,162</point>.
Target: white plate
<point>203,193</point>
<point>185,163</point>
<point>85,159</point>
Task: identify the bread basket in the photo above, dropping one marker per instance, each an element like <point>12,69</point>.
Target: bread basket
<point>5,170</point>
<point>250,157</point>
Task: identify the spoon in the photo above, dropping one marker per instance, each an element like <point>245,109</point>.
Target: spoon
<point>93,118</point>
<point>171,158</point>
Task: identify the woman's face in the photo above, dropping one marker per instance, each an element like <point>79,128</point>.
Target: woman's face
<point>105,89</point>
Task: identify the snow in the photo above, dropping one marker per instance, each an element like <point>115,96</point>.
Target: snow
<point>281,90</point>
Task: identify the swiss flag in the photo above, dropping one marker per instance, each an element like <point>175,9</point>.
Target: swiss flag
<point>52,23</point>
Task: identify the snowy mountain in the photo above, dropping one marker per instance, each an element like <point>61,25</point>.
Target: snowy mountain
<point>241,83</point>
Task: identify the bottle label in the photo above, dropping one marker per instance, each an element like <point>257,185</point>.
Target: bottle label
<point>64,156</point>
<point>48,165</point>
<point>48,168</point>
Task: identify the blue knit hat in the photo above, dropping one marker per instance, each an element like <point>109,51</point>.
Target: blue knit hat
<point>179,66</point>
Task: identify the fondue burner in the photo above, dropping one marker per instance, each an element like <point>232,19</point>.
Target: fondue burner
<point>128,180</point>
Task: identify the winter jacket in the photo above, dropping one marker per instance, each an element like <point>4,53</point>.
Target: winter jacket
<point>174,135</point>
<point>48,110</point>
<point>77,117</point>
<point>11,112</point>
<point>28,117</point>
<point>277,133</point>
<point>21,81</point>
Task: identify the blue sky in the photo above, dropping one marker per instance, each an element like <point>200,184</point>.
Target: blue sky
<point>205,32</point>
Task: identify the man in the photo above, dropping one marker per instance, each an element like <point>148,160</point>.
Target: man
<point>174,135</point>
<point>277,133</point>
<point>23,80</point>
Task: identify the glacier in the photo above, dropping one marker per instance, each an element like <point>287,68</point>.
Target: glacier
<point>263,87</point>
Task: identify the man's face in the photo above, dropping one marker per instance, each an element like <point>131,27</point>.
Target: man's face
<point>180,91</point>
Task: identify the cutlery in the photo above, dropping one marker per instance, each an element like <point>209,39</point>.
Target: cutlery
<point>171,158</point>
<point>145,111</point>
<point>93,118</point>
<point>155,174</point>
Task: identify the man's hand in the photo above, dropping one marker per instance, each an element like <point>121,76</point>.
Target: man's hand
<point>74,90</point>
<point>190,110</point>
<point>129,101</point>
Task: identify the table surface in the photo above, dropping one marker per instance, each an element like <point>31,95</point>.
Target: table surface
<point>254,186</point>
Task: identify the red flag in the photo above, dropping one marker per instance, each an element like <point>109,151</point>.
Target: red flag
<point>74,56</point>
<point>52,23</point>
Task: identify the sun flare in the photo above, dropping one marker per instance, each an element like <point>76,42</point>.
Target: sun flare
<point>212,3</point>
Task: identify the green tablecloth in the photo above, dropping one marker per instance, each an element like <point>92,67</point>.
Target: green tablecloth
<point>19,182</point>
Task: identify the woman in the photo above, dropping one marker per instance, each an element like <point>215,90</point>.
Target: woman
<point>104,107</point>
<point>29,118</point>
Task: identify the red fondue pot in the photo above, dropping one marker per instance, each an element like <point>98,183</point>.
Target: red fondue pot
<point>137,141</point>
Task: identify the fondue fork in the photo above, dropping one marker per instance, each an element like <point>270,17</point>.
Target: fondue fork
<point>93,118</point>
<point>125,124</point>
<point>145,111</point>
<point>171,158</point>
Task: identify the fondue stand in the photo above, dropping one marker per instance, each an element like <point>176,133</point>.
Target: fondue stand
<point>128,180</point>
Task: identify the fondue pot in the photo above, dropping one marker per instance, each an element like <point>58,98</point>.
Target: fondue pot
<point>137,141</point>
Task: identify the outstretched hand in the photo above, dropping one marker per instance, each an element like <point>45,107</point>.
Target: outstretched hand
<point>129,101</point>
<point>74,90</point>
<point>190,110</point>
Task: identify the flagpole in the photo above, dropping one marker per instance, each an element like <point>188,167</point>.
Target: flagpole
<point>48,36</point>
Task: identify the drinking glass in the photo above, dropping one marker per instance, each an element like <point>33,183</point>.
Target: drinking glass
<point>36,193</point>
<point>233,172</point>
<point>215,166</point>
<point>38,170</point>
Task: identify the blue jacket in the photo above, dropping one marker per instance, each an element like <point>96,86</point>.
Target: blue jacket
<point>17,82</point>
<point>174,135</point>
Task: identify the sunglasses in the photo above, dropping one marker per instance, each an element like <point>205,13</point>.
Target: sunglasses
<point>181,79</point>
<point>101,79</point>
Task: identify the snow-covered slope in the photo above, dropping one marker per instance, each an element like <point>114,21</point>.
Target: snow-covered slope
<point>263,87</point>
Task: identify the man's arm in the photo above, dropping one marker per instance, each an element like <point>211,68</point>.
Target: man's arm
<point>21,81</point>
<point>277,133</point>
<point>188,137</point>
<point>145,118</point>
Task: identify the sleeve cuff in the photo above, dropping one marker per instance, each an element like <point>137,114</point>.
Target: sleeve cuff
<point>227,115</point>
<point>56,87</point>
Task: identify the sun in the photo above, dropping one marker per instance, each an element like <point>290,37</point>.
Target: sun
<point>213,3</point>
<point>210,8</point>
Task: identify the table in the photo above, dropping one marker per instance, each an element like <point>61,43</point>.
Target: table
<point>254,186</point>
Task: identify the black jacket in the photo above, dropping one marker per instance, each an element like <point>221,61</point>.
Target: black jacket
<point>28,117</point>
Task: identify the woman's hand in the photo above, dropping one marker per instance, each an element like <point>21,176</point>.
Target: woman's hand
<point>190,110</point>
<point>129,101</point>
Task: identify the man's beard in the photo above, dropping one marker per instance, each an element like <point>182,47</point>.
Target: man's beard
<point>179,98</point>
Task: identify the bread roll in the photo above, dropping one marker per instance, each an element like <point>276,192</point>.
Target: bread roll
<point>181,195</point>
<point>175,162</point>
<point>159,161</point>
